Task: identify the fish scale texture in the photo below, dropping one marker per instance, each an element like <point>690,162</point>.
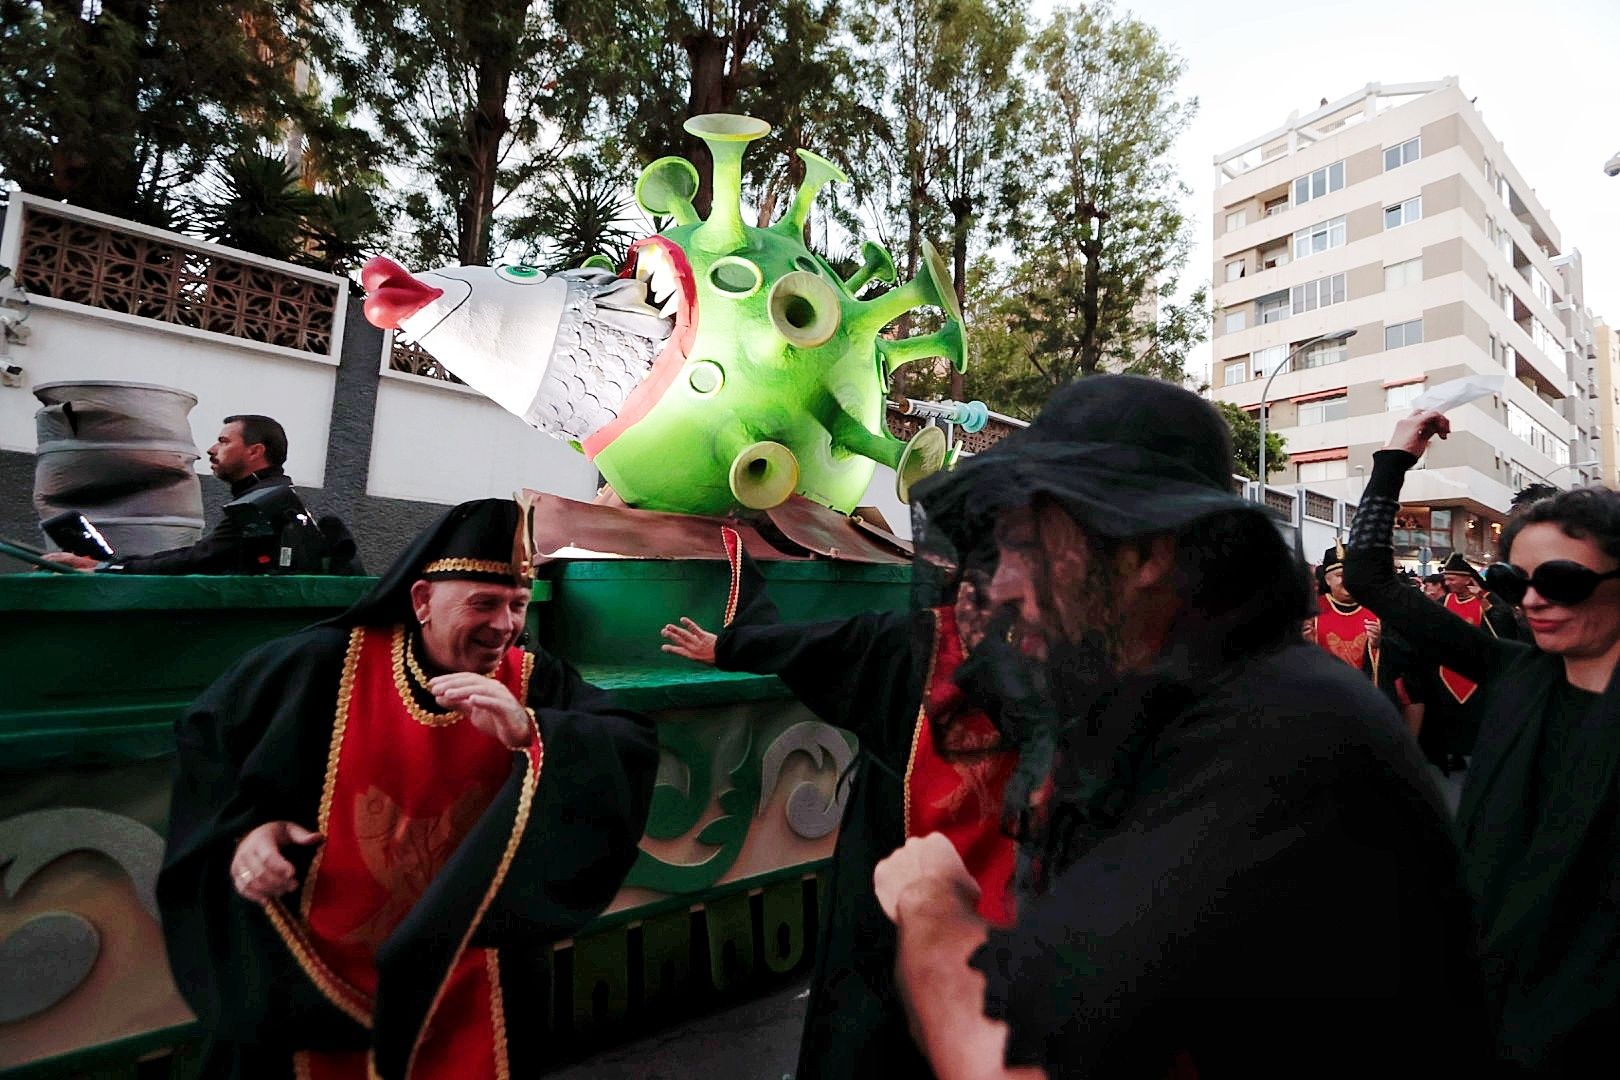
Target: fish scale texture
<point>594,366</point>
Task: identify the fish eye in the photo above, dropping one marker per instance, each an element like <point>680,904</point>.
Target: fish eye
<point>521,274</point>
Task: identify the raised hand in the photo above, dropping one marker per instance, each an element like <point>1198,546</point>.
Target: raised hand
<point>1413,433</point>
<point>689,640</point>
<point>488,704</point>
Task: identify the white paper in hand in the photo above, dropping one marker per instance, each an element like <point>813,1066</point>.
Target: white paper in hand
<point>1449,395</point>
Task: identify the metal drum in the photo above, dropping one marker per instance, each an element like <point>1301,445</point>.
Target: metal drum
<point>121,454</point>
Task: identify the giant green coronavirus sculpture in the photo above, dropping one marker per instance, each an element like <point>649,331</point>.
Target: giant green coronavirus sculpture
<point>722,366</point>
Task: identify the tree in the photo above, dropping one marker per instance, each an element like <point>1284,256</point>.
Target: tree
<point>461,92</point>
<point>579,213</point>
<point>1102,237</point>
<point>981,98</point>
<point>257,203</point>
<point>116,105</point>
<point>1246,442</point>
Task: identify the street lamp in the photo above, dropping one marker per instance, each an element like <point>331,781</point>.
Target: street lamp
<point>1265,391</point>
<point>1571,465</point>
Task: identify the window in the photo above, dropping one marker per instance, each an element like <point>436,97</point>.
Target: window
<point>1522,426</point>
<point>1314,239</point>
<point>1271,309</point>
<point>1400,398</point>
<point>1318,293</point>
<point>1319,183</point>
<point>1265,360</point>
<point>1543,338</point>
<point>1278,256</point>
<point>1400,275</point>
<point>1404,154</point>
<point>1236,373</point>
<point>1318,412</point>
<point>1276,206</point>
<point>1539,285</point>
<point>1234,270</point>
<point>1235,321</point>
<point>1236,220</point>
<point>1312,472</point>
<point>1403,213</point>
<point>1324,353</point>
<point>1403,334</point>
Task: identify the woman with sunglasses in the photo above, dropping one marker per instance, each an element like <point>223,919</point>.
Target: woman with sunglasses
<point>1539,818</point>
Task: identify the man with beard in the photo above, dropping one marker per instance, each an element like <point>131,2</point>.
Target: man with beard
<point>377,823</point>
<point>1233,863</point>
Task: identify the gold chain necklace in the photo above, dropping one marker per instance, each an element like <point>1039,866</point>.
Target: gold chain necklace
<point>402,657</point>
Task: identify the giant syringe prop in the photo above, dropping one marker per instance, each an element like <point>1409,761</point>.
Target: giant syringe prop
<point>970,416</point>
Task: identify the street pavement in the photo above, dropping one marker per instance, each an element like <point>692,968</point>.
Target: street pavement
<point>757,1040</point>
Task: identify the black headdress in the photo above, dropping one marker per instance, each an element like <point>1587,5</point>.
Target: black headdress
<point>483,540</point>
<point>1126,458</point>
<point>1456,564</point>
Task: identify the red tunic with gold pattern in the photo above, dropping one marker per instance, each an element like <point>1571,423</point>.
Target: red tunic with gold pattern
<point>961,799</point>
<point>1471,611</point>
<point>1341,629</point>
<point>404,786</point>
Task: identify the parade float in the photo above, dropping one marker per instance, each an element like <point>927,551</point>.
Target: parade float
<point>723,374</point>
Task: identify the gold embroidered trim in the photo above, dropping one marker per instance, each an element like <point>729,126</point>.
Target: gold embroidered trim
<point>353,1003</point>
<point>536,753</point>
<point>732,542</point>
<point>919,731</point>
<point>340,724</point>
<point>474,566</point>
<point>497,1014</point>
<point>422,716</point>
<point>1342,610</point>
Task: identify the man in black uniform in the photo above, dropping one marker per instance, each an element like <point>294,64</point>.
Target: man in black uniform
<point>1236,864</point>
<point>248,455</point>
<point>377,823</point>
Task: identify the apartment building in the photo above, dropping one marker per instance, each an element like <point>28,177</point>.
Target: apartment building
<point>1607,377</point>
<point>1395,213</point>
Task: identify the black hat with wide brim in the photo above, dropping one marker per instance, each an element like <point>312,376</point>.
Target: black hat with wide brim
<point>1126,456</point>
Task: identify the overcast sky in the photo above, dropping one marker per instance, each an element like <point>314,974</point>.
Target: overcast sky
<point>1546,75</point>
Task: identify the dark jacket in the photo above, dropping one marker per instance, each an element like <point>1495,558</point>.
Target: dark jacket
<point>224,549</point>
<point>1544,868</point>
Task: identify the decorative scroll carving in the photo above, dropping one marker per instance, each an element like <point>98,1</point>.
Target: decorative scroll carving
<point>809,812</point>
<point>173,282</point>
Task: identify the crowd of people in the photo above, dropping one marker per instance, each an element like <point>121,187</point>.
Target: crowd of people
<point>1112,816</point>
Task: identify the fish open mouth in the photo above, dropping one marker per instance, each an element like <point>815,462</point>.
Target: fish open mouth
<point>672,292</point>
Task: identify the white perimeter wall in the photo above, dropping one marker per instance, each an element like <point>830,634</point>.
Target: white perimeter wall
<point>439,442</point>
<point>226,379</point>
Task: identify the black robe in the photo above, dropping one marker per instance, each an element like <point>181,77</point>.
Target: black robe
<point>1544,867</point>
<point>1280,896</point>
<point>856,673</point>
<point>254,748</point>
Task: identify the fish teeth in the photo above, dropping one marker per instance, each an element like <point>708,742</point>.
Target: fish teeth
<point>670,306</point>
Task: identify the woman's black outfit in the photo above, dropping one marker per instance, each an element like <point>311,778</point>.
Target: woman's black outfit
<point>1538,813</point>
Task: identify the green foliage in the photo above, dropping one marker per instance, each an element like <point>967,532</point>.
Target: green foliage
<point>1101,237</point>
<point>116,106</point>
<point>341,229</point>
<point>256,203</point>
<point>1246,442</point>
<point>579,213</point>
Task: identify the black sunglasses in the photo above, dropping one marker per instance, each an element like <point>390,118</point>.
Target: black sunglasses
<point>1560,581</point>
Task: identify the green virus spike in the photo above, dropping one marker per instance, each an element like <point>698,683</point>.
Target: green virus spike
<point>876,263</point>
<point>817,171</point>
<point>727,136</point>
<point>773,382</point>
<point>666,188</point>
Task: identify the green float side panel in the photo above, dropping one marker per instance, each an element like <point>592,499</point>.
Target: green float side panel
<point>783,926</point>
<point>601,992</point>
<point>731,941</point>
<point>666,961</point>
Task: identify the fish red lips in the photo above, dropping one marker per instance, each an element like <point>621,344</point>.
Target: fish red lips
<point>392,294</point>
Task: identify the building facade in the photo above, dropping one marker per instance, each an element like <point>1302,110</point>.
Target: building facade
<point>1606,375</point>
<point>1395,213</point>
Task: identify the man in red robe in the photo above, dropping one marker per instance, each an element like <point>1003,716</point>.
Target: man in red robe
<point>378,822</point>
<point>1343,627</point>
